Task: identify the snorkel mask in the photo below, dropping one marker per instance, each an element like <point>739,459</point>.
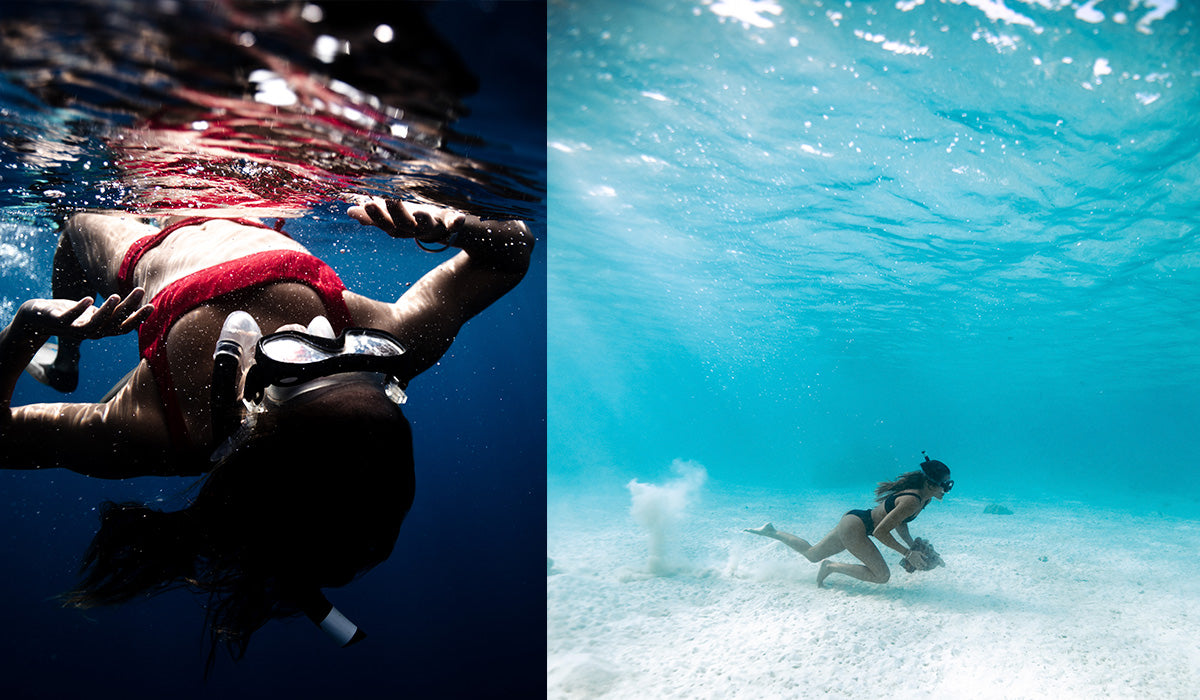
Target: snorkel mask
<point>937,473</point>
<point>288,363</point>
<point>278,365</point>
<point>291,358</point>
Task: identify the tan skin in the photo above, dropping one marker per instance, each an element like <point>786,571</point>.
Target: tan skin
<point>128,435</point>
<point>851,535</point>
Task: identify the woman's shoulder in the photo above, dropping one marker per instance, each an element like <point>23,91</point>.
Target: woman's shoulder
<point>890,503</point>
<point>370,313</point>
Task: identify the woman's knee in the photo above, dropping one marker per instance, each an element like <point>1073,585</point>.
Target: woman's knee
<point>82,237</point>
<point>78,227</point>
<point>97,243</point>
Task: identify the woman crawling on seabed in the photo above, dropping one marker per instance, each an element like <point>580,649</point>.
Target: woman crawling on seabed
<point>897,504</point>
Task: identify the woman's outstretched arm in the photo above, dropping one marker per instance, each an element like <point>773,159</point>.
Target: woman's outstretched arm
<point>39,319</point>
<point>109,440</point>
<point>493,257</point>
<point>894,521</point>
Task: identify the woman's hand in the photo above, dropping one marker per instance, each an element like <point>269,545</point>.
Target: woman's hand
<point>917,560</point>
<point>424,222</point>
<point>116,316</point>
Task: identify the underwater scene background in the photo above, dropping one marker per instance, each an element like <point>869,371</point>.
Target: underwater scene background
<point>276,109</point>
<point>802,242</point>
<point>798,243</point>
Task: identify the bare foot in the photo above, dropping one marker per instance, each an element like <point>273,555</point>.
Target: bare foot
<point>55,368</point>
<point>822,573</point>
<point>767,530</point>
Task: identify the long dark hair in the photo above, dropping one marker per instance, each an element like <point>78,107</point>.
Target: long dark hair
<point>905,482</point>
<point>931,470</point>
<point>282,517</point>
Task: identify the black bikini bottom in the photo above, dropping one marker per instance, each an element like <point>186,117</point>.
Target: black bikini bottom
<point>865,517</point>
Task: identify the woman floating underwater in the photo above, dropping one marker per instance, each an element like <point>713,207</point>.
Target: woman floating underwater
<point>308,456</point>
<point>897,504</point>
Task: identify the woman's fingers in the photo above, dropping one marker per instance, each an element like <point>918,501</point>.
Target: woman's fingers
<point>380,217</point>
<point>358,212</point>
<point>80,318</point>
<point>53,314</point>
<point>371,212</point>
<point>135,319</point>
<point>130,313</point>
<point>422,219</point>
<point>407,220</point>
<point>73,312</point>
<point>401,215</point>
<point>453,220</point>
<point>131,303</point>
<point>116,316</point>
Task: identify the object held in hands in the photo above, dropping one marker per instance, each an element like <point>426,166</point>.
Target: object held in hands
<point>932,558</point>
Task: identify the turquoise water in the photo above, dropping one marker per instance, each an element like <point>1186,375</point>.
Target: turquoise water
<point>798,243</point>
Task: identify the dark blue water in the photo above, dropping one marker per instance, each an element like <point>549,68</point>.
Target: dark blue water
<point>801,242</point>
<point>457,610</point>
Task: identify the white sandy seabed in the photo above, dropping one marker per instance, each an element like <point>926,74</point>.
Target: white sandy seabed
<point>659,594</point>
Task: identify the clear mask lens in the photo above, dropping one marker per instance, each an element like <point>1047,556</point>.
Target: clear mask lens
<point>288,358</point>
<point>292,349</point>
<point>378,346</point>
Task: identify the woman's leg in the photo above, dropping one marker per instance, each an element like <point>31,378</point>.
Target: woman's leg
<point>86,262</point>
<point>831,545</point>
<point>90,252</point>
<point>853,535</point>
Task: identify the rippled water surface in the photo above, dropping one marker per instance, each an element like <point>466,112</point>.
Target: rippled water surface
<point>156,106</point>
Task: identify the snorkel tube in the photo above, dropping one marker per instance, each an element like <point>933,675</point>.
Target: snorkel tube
<point>235,347</point>
<point>232,358</point>
<point>318,609</point>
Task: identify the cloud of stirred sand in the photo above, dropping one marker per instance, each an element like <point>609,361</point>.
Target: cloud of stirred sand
<point>660,509</point>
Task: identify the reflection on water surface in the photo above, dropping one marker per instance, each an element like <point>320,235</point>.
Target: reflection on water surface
<point>160,106</point>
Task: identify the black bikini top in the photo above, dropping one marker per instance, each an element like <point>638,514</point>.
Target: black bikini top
<point>889,504</point>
